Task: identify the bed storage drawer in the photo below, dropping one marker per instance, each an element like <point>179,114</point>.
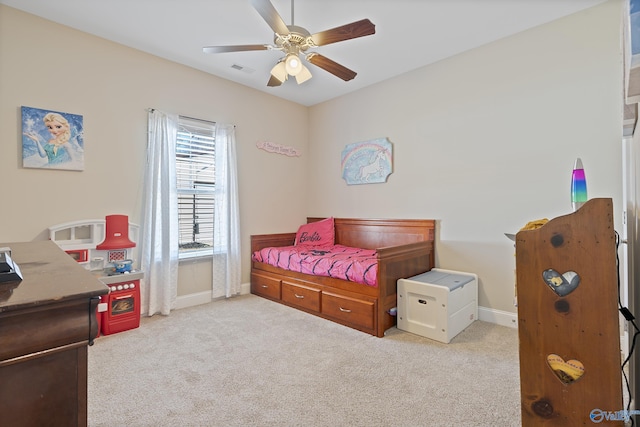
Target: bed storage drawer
<point>265,286</point>
<point>301,296</point>
<point>348,310</point>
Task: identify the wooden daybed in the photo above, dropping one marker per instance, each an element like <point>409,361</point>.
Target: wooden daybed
<point>405,248</point>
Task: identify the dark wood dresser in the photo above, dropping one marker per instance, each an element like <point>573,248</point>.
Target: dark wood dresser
<point>46,322</point>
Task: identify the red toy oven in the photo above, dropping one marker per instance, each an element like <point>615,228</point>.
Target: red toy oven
<point>122,307</point>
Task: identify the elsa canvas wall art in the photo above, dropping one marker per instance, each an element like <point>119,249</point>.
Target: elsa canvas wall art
<point>52,140</point>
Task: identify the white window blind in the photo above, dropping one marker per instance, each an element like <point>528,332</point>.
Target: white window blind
<point>195,174</point>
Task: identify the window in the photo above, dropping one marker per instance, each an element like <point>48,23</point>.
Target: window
<point>195,175</point>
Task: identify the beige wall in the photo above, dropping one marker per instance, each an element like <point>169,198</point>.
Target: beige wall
<point>48,66</point>
<point>484,142</point>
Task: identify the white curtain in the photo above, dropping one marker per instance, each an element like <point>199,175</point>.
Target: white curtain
<point>226,231</point>
<point>159,249</point>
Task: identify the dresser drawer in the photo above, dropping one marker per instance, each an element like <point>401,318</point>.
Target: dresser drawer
<point>44,327</point>
<point>301,296</point>
<point>350,311</point>
<point>265,286</point>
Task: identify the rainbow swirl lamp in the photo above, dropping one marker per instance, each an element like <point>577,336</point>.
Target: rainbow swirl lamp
<point>578,186</point>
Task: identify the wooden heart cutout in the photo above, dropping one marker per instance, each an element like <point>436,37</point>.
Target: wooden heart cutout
<point>561,284</point>
<point>569,371</point>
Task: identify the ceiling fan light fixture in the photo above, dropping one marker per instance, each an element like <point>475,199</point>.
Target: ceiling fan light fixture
<point>279,71</point>
<point>303,75</point>
<point>293,64</point>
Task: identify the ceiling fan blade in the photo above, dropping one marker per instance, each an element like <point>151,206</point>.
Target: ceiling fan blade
<point>274,81</point>
<point>238,48</point>
<point>346,32</point>
<point>331,66</point>
<point>270,14</point>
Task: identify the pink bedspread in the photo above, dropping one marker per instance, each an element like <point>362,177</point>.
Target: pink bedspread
<point>338,261</point>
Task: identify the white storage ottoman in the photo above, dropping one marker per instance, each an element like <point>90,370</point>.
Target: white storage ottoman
<point>437,304</point>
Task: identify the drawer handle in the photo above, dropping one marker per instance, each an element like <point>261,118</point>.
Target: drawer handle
<point>265,286</point>
<point>344,310</point>
<point>298,296</point>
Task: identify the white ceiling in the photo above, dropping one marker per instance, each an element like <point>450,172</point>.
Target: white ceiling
<point>409,33</point>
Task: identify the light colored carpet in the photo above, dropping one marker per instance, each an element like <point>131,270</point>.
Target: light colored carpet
<point>248,361</point>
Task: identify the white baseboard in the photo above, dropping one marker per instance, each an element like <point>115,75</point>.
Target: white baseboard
<point>624,344</point>
<point>245,288</point>
<point>499,317</point>
<point>190,300</point>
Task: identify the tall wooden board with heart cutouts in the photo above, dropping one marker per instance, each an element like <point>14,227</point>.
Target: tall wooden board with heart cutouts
<point>568,322</point>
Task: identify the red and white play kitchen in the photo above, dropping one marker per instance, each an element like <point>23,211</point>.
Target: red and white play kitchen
<point>105,248</point>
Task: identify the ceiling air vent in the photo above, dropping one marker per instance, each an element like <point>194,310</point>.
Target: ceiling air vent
<point>242,68</point>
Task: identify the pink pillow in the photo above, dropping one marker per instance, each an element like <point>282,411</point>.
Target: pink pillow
<point>319,233</point>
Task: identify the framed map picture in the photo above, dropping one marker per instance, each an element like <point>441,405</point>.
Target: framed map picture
<point>52,140</point>
<point>367,162</point>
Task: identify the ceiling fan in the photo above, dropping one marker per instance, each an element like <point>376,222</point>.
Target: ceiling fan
<point>295,41</point>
